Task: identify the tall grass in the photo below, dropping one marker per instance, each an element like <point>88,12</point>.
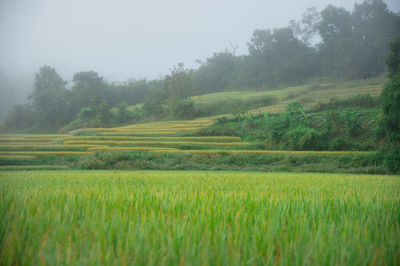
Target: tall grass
<point>198,218</point>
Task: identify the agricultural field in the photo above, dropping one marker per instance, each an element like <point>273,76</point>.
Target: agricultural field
<point>198,218</point>
<point>308,96</point>
<point>19,152</point>
<point>177,137</point>
<point>155,136</point>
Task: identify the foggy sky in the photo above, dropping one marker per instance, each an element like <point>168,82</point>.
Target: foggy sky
<point>124,39</point>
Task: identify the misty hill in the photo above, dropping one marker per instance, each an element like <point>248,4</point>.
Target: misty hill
<point>283,65</point>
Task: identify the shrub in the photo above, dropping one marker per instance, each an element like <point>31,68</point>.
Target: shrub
<point>184,109</point>
<point>392,161</point>
<point>302,138</point>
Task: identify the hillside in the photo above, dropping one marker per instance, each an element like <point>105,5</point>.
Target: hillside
<point>276,100</point>
<point>234,135</point>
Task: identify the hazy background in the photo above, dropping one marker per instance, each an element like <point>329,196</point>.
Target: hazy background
<point>124,39</point>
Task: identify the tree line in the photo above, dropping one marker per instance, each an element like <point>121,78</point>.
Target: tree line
<point>334,42</point>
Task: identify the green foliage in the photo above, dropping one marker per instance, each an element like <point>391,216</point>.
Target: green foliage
<point>122,114</point>
<point>50,99</point>
<point>297,129</point>
<point>132,91</point>
<point>88,87</point>
<point>276,57</point>
<point>184,109</point>
<point>87,113</point>
<point>353,123</point>
<point>302,138</point>
<point>216,73</point>
<point>355,43</point>
<point>103,113</point>
<point>154,103</point>
<point>360,100</point>
<point>390,99</point>
<point>97,114</point>
<point>178,85</point>
<point>392,160</point>
<point>20,118</point>
<point>136,160</point>
<point>393,58</point>
<point>389,123</point>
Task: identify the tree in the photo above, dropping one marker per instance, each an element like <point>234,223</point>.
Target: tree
<point>390,96</point>
<point>50,99</point>
<point>88,87</point>
<point>393,58</point>
<point>179,85</point>
<point>354,44</point>
<point>20,117</point>
<point>103,112</point>
<point>307,28</point>
<point>375,26</point>
<point>217,73</point>
<point>46,78</point>
<point>390,99</point>
<point>278,57</point>
<point>133,92</point>
<point>335,24</point>
<point>122,114</point>
<point>154,103</point>
<point>335,29</point>
<point>184,109</point>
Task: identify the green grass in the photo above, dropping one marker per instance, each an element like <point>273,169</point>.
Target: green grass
<point>198,218</point>
<point>32,167</point>
<point>306,95</point>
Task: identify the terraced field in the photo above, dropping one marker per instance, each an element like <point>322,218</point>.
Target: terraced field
<point>169,136</point>
<point>154,137</point>
<point>306,95</point>
<point>132,138</point>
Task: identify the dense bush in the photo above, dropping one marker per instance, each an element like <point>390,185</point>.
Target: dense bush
<point>360,163</point>
<point>296,129</point>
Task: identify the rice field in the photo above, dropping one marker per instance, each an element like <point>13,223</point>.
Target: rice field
<point>155,136</point>
<point>135,138</point>
<point>69,145</point>
<point>303,94</point>
<point>45,153</point>
<point>198,218</point>
<point>148,137</point>
<point>311,98</point>
<point>166,136</point>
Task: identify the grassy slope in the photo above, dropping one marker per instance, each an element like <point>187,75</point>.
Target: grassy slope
<point>144,137</point>
<point>186,217</point>
<point>308,96</point>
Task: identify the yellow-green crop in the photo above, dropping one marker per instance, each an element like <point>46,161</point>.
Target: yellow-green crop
<point>198,218</point>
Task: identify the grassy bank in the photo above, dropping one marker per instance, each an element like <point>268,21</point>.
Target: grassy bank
<point>235,160</point>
